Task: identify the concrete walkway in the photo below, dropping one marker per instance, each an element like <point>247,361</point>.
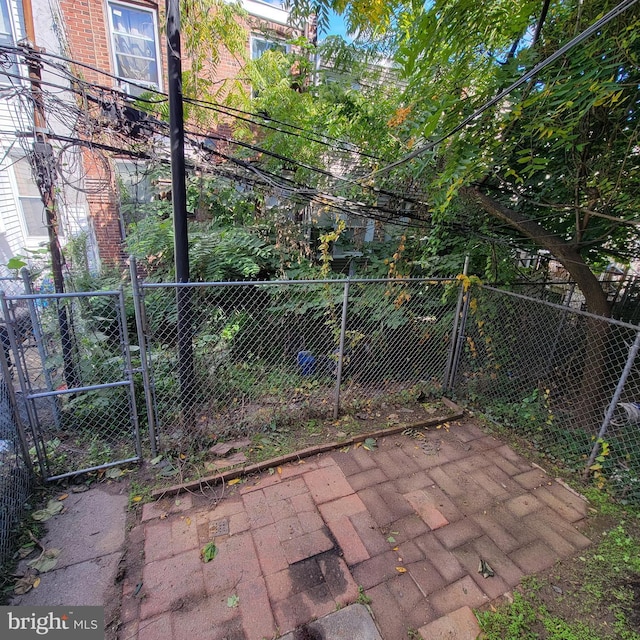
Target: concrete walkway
<point>402,528</point>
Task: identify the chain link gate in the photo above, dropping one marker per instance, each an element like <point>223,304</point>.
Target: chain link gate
<point>72,363</point>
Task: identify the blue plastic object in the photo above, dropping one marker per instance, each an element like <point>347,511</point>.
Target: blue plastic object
<point>307,363</point>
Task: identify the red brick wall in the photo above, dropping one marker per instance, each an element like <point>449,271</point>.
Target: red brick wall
<point>87,30</point>
<point>86,25</point>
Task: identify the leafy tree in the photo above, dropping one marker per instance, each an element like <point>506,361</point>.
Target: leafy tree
<point>556,162</point>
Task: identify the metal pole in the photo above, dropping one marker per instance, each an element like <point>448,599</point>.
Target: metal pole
<point>176,127</point>
<point>633,352</point>
<point>460,342</point>
<point>343,330</point>
<point>144,363</point>
<point>129,371</point>
<point>454,330</point>
<point>179,202</point>
<point>43,163</point>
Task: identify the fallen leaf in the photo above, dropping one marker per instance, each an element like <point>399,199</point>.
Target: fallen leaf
<point>485,570</point>
<point>391,539</point>
<point>47,560</point>
<point>208,552</point>
<point>357,444</point>
<point>113,473</point>
<point>395,548</point>
<point>64,496</point>
<point>401,570</point>
<point>234,481</point>
<point>271,471</point>
<point>26,549</point>
<point>36,582</point>
<point>53,508</point>
<point>167,472</point>
<point>279,470</point>
<point>136,499</point>
<point>188,521</point>
<point>370,444</point>
<point>301,462</point>
<point>233,601</point>
<point>24,585</point>
<point>155,460</point>
<point>79,488</point>
<point>183,457</point>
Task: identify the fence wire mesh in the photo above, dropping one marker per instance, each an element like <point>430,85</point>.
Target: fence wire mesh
<point>15,475</point>
<point>550,373</point>
<point>70,356</point>
<point>268,353</point>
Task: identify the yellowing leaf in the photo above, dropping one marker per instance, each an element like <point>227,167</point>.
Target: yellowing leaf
<point>234,481</point>
<point>188,521</point>
<point>64,496</point>
<point>401,570</point>
<point>36,583</point>
<point>136,498</point>
<point>395,548</point>
<point>279,470</point>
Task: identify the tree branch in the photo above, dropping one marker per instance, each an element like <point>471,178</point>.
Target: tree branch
<point>566,254</point>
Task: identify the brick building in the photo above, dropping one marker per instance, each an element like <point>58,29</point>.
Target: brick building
<point>124,38</point>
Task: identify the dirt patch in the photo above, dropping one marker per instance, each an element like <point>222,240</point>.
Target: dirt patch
<point>286,436</point>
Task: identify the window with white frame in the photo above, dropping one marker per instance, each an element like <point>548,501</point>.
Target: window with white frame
<point>7,61</point>
<point>134,42</point>
<point>260,45</point>
<point>32,208</point>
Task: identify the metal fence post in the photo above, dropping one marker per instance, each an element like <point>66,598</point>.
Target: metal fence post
<point>343,329</point>
<point>454,330</point>
<point>633,352</point>
<point>144,361</point>
<point>124,333</point>
<point>459,342</point>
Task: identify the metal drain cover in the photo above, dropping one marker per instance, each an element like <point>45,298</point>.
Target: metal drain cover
<point>219,528</point>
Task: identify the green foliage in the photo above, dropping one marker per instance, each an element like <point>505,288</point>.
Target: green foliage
<point>600,577</point>
<point>217,253</point>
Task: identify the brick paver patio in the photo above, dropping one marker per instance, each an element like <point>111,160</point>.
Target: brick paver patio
<point>408,523</point>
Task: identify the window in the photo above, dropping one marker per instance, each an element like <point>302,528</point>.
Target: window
<point>33,213</point>
<point>259,46</point>
<point>7,61</point>
<point>134,40</point>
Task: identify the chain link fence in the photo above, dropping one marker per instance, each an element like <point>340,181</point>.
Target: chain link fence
<point>218,361</point>
<point>72,368</point>
<point>552,373</point>
<point>267,353</point>
<point>16,473</point>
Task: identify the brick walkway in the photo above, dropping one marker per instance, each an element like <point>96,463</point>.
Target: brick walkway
<point>408,523</point>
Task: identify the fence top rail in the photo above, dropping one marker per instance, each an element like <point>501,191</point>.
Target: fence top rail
<point>565,309</point>
<point>268,283</point>
<point>55,296</point>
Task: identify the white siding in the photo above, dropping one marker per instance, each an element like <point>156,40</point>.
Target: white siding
<point>16,116</point>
